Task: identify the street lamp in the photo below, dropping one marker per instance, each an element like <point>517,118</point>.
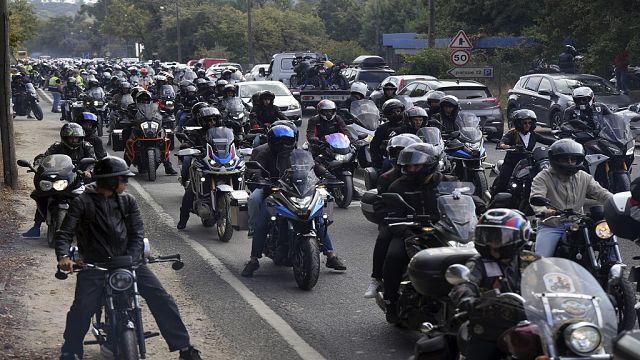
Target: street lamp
<point>178,37</point>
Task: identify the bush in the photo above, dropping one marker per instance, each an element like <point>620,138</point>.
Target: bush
<point>434,62</point>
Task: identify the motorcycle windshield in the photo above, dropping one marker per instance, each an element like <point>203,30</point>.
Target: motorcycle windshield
<point>57,163</point>
<point>125,101</point>
<point>233,105</point>
<point>366,112</point>
<point>614,128</point>
<point>405,100</point>
<point>30,89</point>
<point>458,214</point>
<point>297,171</point>
<point>168,92</point>
<point>456,187</point>
<point>220,140</point>
<point>430,135</point>
<point>96,93</point>
<point>148,112</point>
<point>559,291</point>
<point>469,127</point>
<point>338,141</point>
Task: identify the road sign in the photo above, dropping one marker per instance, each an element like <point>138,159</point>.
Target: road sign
<point>460,57</point>
<point>471,72</point>
<point>460,41</point>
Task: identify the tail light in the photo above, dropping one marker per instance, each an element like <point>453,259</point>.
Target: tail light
<point>494,102</point>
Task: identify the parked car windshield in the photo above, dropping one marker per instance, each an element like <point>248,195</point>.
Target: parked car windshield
<point>467,93</point>
<point>248,89</point>
<point>599,86</point>
<point>373,78</point>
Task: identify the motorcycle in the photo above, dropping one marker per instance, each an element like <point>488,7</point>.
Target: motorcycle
<point>166,106</point>
<point>365,120</point>
<point>432,135</point>
<point>609,152</point>
<point>466,152</point>
<point>148,146</point>
<point>234,114</point>
<point>296,201</point>
<point>59,181</point>
<point>590,242</point>
<point>338,156</point>
<point>27,101</point>
<point>118,327</point>
<point>568,315</point>
<point>213,177</point>
<point>523,173</point>
<point>423,295</point>
<point>95,103</point>
<point>118,120</point>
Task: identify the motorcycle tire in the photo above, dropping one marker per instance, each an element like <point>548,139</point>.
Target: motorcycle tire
<point>294,82</point>
<point>306,262</point>
<point>37,111</point>
<point>151,164</point>
<point>223,224</point>
<point>344,193</point>
<point>55,224</point>
<point>100,125</point>
<point>619,182</point>
<point>128,345</point>
<point>623,297</point>
<point>480,182</point>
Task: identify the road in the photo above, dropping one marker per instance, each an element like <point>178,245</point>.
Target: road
<point>267,316</point>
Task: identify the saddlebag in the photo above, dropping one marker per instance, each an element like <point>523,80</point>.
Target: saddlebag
<point>427,268</point>
<point>366,206</point>
<point>117,140</point>
<point>239,210</point>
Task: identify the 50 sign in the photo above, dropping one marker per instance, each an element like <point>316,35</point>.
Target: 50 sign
<point>460,57</point>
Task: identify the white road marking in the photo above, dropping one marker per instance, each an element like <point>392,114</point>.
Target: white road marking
<point>45,95</point>
<point>289,335</point>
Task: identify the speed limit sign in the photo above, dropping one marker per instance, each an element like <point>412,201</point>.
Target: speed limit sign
<point>460,57</point>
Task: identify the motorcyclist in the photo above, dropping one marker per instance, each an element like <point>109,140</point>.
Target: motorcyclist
<point>71,144</point>
<point>18,86</point>
<point>159,82</point>
<point>188,99</point>
<point>433,101</point>
<point>395,145</point>
<point>358,92</point>
<point>415,118</point>
<point>89,123</point>
<point>202,86</point>
<point>567,187</point>
<point>388,92</point>
<point>207,117</point>
<point>521,137</point>
<point>500,236</point>
<point>146,80</point>
<point>392,110</point>
<point>326,122</point>
<point>265,112</point>
<point>107,222</point>
<point>70,91</point>
<point>220,84</point>
<point>449,109</point>
<point>585,110</point>
<point>566,60</point>
<point>210,93</point>
<point>281,139</point>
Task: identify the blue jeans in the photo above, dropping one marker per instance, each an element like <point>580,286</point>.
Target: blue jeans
<point>547,238</point>
<point>182,117</point>
<point>56,101</point>
<point>259,222</point>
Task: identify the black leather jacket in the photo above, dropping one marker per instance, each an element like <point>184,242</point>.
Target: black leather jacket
<point>104,227</point>
<point>591,117</point>
<point>83,151</point>
<point>383,133</point>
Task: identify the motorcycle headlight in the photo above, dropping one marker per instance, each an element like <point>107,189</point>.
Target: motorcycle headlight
<point>45,185</point>
<point>96,103</point>
<point>301,202</point>
<point>342,157</point>
<point>121,280</point>
<point>295,106</point>
<point>169,103</point>
<point>473,146</point>
<point>60,185</point>
<point>603,231</point>
<point>615,150</point>
<point>630,150</point>
<point>583,338</point>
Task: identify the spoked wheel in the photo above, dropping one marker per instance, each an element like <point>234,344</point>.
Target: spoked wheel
<point>556,120</point>
<point>306,263</point>
<point>223,224</point>
<point>624,299</point>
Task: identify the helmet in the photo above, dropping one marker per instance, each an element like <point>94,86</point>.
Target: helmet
<point>93,82</point>
<point>389,86</point>
<point>143,96</point>
<point>144,71</point>
<point>435,96</point>
<point>160,79</point>
<point>184,83</point>
<point>201,73</point>
<point>125,87</point>
<point>191,90</point>
<point>419,154</point>
<point>200,83</point>
<point>327,109</point>
<point>135,91</point>
<point>267,94</point>
<point>111,166</point>
<point>583,97</point>
<point>570,49</point>
<point>197,106</point>
<point>415,112</point>
<point>505,231</point>
<point>208,114</point>
<point>449,100</point>
<point>226,72</point>
<point>70,81</point>
<point>282,138</point>
<point>389,109</point>
<point>560,150</point>
<point>71,130</point>
<point>197,65</point>
<point>397,143</point>
<point>88,116</point>
<point>359,87</point>
<point>521,115</point>
<point>229,88</point>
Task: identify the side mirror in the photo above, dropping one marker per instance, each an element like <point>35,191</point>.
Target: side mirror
<point>147,248</point>
<point>457,274</point>
<point>395,201</point>
<point>540,201</point>
<point>84,164</point>
<point>544,92</point>
<point>24,163</point>
<point>177,265</point>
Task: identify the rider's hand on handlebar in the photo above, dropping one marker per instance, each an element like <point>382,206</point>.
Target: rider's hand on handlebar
<point>505,146</point>
<point>66,264</point>
<point>548,213</point>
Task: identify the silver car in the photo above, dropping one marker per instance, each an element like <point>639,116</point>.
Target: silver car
<point>284,99</point>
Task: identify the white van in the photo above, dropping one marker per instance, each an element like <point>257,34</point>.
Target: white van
<point>281,66</point>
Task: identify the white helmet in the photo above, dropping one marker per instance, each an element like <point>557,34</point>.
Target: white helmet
<point>583,97</point>
<point>360,88</point>
<point>327,109</point>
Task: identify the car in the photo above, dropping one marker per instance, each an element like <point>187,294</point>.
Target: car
<point>632,114</point>
<point>284,99</point>
<point>473,97</point>
<point>254,74</point>
<point>208,62</point>
<point>369,69</point>
<point>216,70</point>
<point>400,81</point>
<point>548,95</point>
<point>281,65</point>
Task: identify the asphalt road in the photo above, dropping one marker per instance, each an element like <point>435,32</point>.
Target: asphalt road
<point>267,316</point>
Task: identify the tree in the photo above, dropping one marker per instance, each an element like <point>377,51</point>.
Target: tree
<point>434,62</point>
<point>386,16</point>
<point>341,18</point>
<point>23,23</point>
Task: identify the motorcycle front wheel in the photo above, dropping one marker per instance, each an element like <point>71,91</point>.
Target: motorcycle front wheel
<point>344,193</point>
<point>37,111</point>
<point>151,164</point>
<point>57,216</point>
<point>306,262</point>
<point>619,181</point>
<point>223,224</point>
<point>480,182</point>
<point>100,124</point>
<point>624,299</point>
<point>128,345</point>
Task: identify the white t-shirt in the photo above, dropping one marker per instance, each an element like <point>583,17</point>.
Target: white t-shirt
<point>525,138</point>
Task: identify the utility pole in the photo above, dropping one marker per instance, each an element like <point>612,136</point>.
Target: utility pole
<point>432,23</point>
<point>10,170</point>
<point>178,31</point>
<point>249,36</point>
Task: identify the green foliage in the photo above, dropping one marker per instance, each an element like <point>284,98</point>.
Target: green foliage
<point>489,16</point>
<point>23,23</point>
<point>341,18</point>
<point>385,16</point>
<point>341,50</point>
<point>434,62</point>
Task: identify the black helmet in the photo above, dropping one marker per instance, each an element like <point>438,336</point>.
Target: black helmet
<point>197,106</point>
<point>143,97</point>
<point>412,113</point>
<point>208,115</point>
<point>389,86</point>
<point>398,143</point>
<point>136,90</point>
<point>93,82</point>
<point>266,94</point>
<point>282,138</point>
<point>70,81</point>
<point>125,87</point>
<point>201,73</point>
<point>419,154</point>
<point>191,90</point>
<point>111,166</point>
<point>229,88</point>
<point>560,153</point>
<point>521,115</point>
<point>449,100</point>
<point>505,231</point>
<point>71,130</point>
<point>390,109</point>
<point>200,83</point>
